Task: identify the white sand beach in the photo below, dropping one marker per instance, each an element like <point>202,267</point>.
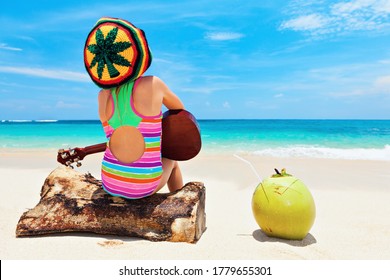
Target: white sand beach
<point>352,203</point>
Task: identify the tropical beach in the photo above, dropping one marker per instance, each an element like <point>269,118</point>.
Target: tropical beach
<point>297,86</point>
<point>351,198</point>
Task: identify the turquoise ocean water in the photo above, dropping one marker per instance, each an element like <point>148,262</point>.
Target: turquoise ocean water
<point>345,139</point>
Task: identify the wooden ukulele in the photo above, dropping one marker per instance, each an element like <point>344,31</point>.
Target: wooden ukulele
<point>180,140</point>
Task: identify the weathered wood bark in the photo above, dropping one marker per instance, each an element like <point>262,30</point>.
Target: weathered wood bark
<point>73,202</point>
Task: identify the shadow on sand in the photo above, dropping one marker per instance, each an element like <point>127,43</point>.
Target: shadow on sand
<point>260,236</point>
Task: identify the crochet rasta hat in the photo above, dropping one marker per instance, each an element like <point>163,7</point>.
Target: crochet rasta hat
<point>116,52</point>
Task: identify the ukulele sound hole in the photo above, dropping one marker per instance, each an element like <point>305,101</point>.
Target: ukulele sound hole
<point>127,144</point>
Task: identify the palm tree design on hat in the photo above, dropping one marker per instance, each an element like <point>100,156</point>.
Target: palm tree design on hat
<point>107,53</point>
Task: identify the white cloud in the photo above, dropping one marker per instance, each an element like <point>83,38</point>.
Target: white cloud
<point>382,84</point>
<point>307,22</point>
<point>351,6</point>
<point>50,74</point>
<point>383,6</point>
<point>223,36</point>
<point>326,17</point>
<point>279,95</point>
<point>383,81</point>
<point>8,48</point>
<point>226,105</point>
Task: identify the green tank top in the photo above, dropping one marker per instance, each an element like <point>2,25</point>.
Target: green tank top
<point>123,107</point>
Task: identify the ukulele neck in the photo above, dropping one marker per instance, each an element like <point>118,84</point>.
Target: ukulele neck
<point>95,148</point>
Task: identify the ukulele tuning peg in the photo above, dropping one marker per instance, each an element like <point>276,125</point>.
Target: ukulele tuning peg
<point>72,152</point>
<point>61,151</point>
<point>78,164</point>
<point>64,155</point>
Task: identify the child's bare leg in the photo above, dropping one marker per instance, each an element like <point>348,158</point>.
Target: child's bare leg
<point>175,181</point>
<point>171,175</point>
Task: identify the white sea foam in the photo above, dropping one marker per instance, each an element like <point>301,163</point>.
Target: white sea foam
<point>46,121</point>
<point>19,121</point>
<point>332,153</point>
<point>29,120</point>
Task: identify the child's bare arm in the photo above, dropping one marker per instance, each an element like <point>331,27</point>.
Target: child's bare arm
<point>170,99</point>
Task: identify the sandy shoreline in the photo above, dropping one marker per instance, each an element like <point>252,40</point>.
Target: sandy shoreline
<point>352,201</point>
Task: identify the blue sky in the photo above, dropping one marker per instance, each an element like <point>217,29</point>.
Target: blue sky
<point>225,59</point>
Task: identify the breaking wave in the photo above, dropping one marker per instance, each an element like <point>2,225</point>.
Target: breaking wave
<point>331,153</point>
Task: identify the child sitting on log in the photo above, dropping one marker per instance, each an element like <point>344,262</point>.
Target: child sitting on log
<point>116,55</point>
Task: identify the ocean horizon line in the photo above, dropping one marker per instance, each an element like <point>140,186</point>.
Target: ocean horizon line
<point>202,119</point>
<point>324,138</point>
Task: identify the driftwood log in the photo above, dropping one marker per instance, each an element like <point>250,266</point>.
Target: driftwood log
<point>75,202</point>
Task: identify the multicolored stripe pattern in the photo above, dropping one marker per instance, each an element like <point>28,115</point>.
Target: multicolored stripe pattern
<point>140,178</point>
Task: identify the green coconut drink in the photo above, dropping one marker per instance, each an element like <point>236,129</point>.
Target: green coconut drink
<point>283,207</point>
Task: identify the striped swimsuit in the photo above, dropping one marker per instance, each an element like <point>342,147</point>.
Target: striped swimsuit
<point>141,177</point>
